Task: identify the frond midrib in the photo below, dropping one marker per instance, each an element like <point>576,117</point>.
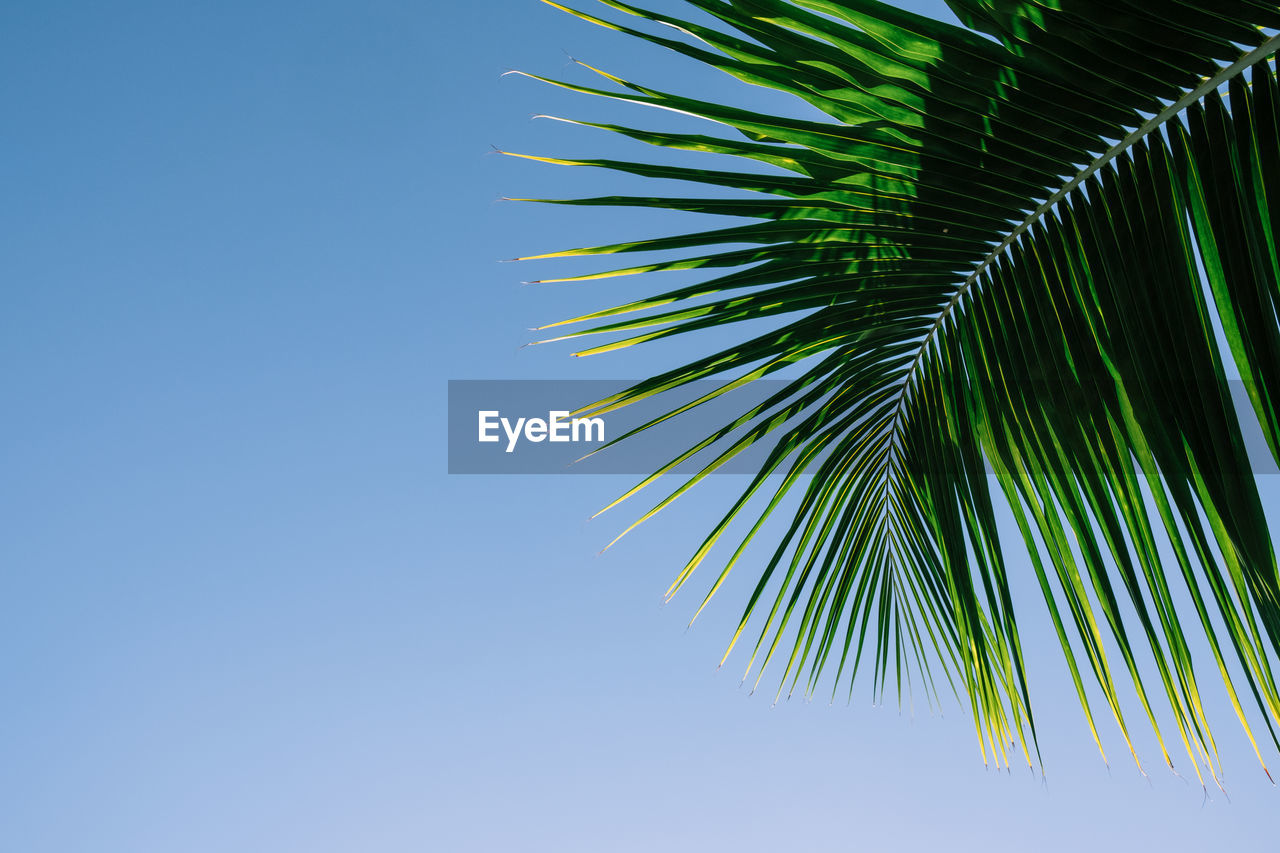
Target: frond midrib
<point>1210,84</point>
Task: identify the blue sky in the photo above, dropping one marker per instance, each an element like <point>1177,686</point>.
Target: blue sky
<point>243,247</point>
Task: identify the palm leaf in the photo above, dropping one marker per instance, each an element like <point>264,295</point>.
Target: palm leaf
<point>1003,253</point>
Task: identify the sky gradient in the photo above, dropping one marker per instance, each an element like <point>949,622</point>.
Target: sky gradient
<point>243,247</point>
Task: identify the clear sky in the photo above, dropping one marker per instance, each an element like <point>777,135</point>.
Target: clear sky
<point>243,246</point>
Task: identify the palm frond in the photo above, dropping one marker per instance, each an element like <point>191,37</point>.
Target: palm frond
<point>1004,252</point>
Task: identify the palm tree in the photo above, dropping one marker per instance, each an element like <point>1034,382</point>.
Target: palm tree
<point>1003,251</point>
